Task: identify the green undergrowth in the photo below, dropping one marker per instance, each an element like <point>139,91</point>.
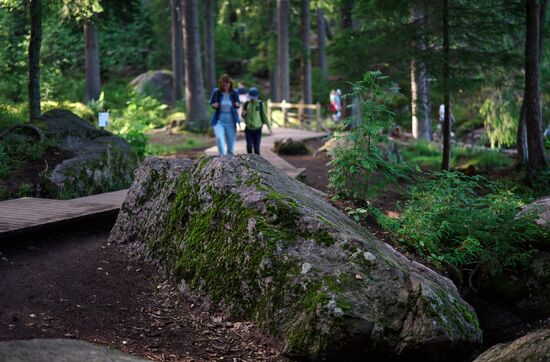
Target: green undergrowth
<point>155,149</point>
<point>16,149</point>
<point>428,155</point>
<point>465,222</point>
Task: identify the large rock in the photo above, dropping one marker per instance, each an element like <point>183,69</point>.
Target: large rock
<point>101,162</point>
<point>158,84</point>
<point>272,250</point>
<point>541,207</point>
<point>532,347</point>
<point>60,350</point>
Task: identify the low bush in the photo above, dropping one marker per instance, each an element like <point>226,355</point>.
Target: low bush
<point>360,158</point>
<point>141,114</point>
<point>466,222</point>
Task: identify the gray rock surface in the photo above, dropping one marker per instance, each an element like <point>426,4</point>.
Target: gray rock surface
<point>101,162</point>
<point>541,207</point>
<point>533,347</point>
<point>157,84</point>
<point>270,249</point>
<point>60,350</point>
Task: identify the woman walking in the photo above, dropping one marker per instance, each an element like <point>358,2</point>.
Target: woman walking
<point>225,101</point>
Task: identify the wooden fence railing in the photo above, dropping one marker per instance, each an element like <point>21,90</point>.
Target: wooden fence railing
<point>305,116</point>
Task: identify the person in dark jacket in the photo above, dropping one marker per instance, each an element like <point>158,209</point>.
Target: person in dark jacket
<point>225,101</point>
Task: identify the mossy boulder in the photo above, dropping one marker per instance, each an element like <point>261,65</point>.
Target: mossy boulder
<point>532,347</point>
<point>541,207</point>
<point>100,162</point>
<point>270,249</point>
<point>157,84</point>
<point>290,147</point>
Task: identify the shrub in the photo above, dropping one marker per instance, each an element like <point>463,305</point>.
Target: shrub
<point>361,153</point>
<point>468,223</point>
<point>25,189</point>
<point>141,114</point>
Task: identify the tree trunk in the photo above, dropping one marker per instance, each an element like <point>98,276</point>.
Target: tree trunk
<point>533,123</point>
<point>197,113</point>
<point>305,60</point>
<point>93,71</point>
<point>446,161</point>
<point>420,96</point>
<point>321,43</point>
<point>35,12</point>
<point>271,57</point>
<point>177,49</point>
<point>210,62</point>
<point>521,137</point>
<point>346,17</point>
<point>282,50</point>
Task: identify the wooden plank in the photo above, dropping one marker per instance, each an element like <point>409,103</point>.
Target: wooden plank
<point>27,214</point>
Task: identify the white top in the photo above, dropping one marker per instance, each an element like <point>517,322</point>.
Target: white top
<point>226,104</point>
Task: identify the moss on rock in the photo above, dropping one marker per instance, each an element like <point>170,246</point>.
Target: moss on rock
<point>271,250</point>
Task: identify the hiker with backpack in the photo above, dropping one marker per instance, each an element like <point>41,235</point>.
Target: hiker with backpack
<point>254,116</point>
<point>225,101</point>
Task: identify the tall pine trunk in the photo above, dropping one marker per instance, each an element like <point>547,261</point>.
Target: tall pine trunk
<point>210,63</point>
<point>346,18</point>
<point>93,71</point>
<point>420,96</point>
<point>305,60</point>
<point>197,113</point>
<point>272,50</point>
<point>177,49</point>
<point>521,137</point>
<point>533,122</point>
<point>446,159</point>
<point>35,12</point>
<point>283,24</point>
<point>321,43</point>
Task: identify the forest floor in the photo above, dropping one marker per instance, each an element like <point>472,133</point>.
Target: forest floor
<point>72,283</point>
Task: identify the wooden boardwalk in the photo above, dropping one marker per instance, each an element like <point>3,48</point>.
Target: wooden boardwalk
<point>266,147</point>
<point>30,214</point>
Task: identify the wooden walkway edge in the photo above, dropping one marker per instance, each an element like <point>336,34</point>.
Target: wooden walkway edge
<point>31,214</point>
<point>266,147</point>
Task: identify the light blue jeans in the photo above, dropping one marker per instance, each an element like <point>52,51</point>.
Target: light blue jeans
<point>226,133</point>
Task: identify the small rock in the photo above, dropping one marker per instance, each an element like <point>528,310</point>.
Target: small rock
<point>358,277</point>
<point>306,267</point>
<point>4,259</point>
<point>100,268</point>
<point>369,256</point>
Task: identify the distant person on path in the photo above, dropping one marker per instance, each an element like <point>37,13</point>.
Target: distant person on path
<point>336,104</point>
<point>442,119</point>
<point>225,101</point>
<point>254,116</point>
<point>243,96</point>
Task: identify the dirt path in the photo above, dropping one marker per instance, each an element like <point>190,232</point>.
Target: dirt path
<point>73,284</point>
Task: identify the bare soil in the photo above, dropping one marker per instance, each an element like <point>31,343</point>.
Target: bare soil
<point>74,284</point>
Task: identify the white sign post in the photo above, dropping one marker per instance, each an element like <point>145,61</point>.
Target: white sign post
<point>103,118</point>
